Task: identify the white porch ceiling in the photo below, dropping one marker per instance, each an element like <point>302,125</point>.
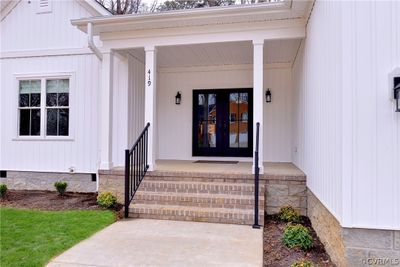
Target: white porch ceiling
<point>214,54</point>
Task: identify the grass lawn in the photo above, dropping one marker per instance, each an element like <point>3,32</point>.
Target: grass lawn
<point>32,237</point>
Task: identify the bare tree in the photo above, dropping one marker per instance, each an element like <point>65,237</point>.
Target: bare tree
<point>119,7</point>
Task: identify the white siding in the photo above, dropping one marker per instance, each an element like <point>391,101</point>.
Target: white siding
<point>136,99</point>
<point>24,29</point>
<point>81,151</point>
<point>345,127</point>
<point>175,121</point>
<point>128,105</point>
<point>317,80</point>
<point>371,52</point>
<point>120,111</point>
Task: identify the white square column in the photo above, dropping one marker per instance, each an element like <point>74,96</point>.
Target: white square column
<point>150,103</point>
<point>258,102</point>
<point>106,110</point>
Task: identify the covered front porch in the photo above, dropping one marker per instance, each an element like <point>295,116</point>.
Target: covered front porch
<point>221,70</point>
<point>203,102</point>
<point>200,81</point>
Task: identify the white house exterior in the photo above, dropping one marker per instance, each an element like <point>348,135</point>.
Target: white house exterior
<point>329,65</point>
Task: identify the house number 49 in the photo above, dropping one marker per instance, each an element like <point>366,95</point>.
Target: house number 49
<point>149,80</point>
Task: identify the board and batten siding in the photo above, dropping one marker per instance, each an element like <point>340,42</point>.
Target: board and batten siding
<point>345,129</point>
<point>175,121</point>
<point>128,106</point>
<point>371,51</point>
<point>25,30</point>
<point>81,150</point>
<point>317,106</point>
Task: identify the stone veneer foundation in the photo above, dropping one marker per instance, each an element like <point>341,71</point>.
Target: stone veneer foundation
<point>353,247</point>
<point>21,180</point>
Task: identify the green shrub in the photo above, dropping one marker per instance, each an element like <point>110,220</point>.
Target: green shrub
<point>297,236</point>
<point>3,190</point>
<point>61,187</point>
<point>302,263</point>
<point>106,200</point>
<point>289,214</point>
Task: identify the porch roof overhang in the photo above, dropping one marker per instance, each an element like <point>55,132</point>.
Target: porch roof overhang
<point>293,12</point>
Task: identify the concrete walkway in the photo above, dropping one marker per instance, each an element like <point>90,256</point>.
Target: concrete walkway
<point>141,242</point>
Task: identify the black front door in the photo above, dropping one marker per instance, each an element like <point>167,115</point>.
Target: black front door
<point>223,122</point>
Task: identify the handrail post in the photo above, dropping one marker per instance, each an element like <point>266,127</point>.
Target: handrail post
<point>256,179</point>
<point>127,168</point>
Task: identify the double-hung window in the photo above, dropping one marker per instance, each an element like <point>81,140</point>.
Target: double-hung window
<point>44,107</point>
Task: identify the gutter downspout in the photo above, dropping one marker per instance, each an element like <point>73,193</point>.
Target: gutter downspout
<point>91,44</point>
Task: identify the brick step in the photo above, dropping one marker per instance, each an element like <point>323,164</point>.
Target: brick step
<point>198,200</point>
<point>190,213</point>
<point>194,178</point>
<point>198,187</point>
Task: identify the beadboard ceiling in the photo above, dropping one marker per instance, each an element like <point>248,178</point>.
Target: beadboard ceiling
<point>213,54</point>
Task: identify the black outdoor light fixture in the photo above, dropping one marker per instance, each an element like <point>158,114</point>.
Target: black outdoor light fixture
<point>178,98</point>
<point>268,96</point>
<point>397,92</point>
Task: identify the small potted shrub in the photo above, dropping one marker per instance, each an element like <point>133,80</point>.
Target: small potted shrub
<point>106,200</point>
<point>3,190</point>
<point>61,187</point>
<point>297,236</point>
<point>289,214</point>
<point>302,263</point>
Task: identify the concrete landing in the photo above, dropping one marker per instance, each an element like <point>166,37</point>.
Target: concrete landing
<point>142,242</point>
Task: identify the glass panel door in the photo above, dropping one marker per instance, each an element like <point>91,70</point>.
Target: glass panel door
<point>222,122</point>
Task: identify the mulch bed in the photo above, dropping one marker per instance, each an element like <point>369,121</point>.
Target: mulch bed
<point>49,200</point>
<point>276,254</point>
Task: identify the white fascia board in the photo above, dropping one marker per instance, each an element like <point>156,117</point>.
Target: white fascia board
<point>181,15</point>
<point>196,38</point>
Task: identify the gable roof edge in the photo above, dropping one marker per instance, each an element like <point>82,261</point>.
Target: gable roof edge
<point>8,9</point>
<point>94,8</point>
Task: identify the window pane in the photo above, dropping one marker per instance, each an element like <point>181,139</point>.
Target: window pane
<point>52,121</point>
<point>63,99</point>
<point>233,134</point>
<point>212,136</point>
<point>63,122</point>
<point>24,100</point>
<point>233,106</point>
<point>202,134</point>
<point>57,86</point>
<point>24,121</point>
<point>212,108</point>
<point>35,100</point>
<point>29,86</point>
<point>243,134</point>
<point>51,99</point>
<point>35,122</point>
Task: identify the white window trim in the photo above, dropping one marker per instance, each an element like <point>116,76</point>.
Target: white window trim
<point>43,117</point>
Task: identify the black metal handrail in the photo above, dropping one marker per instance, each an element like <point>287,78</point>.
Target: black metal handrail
<point>136,166</point>
<point>256,178</point>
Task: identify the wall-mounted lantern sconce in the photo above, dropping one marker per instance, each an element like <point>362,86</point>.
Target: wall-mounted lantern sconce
<point>268,96</point>
<point>397,93</point>
<point>178,98</point>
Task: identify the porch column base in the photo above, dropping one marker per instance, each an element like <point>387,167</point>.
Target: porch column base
<point>253,169</point>
<point>106,165</point>
<point>152,167</point>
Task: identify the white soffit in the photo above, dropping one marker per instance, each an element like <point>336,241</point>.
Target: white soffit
<point>287,9</point>
<point>216,54</point>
